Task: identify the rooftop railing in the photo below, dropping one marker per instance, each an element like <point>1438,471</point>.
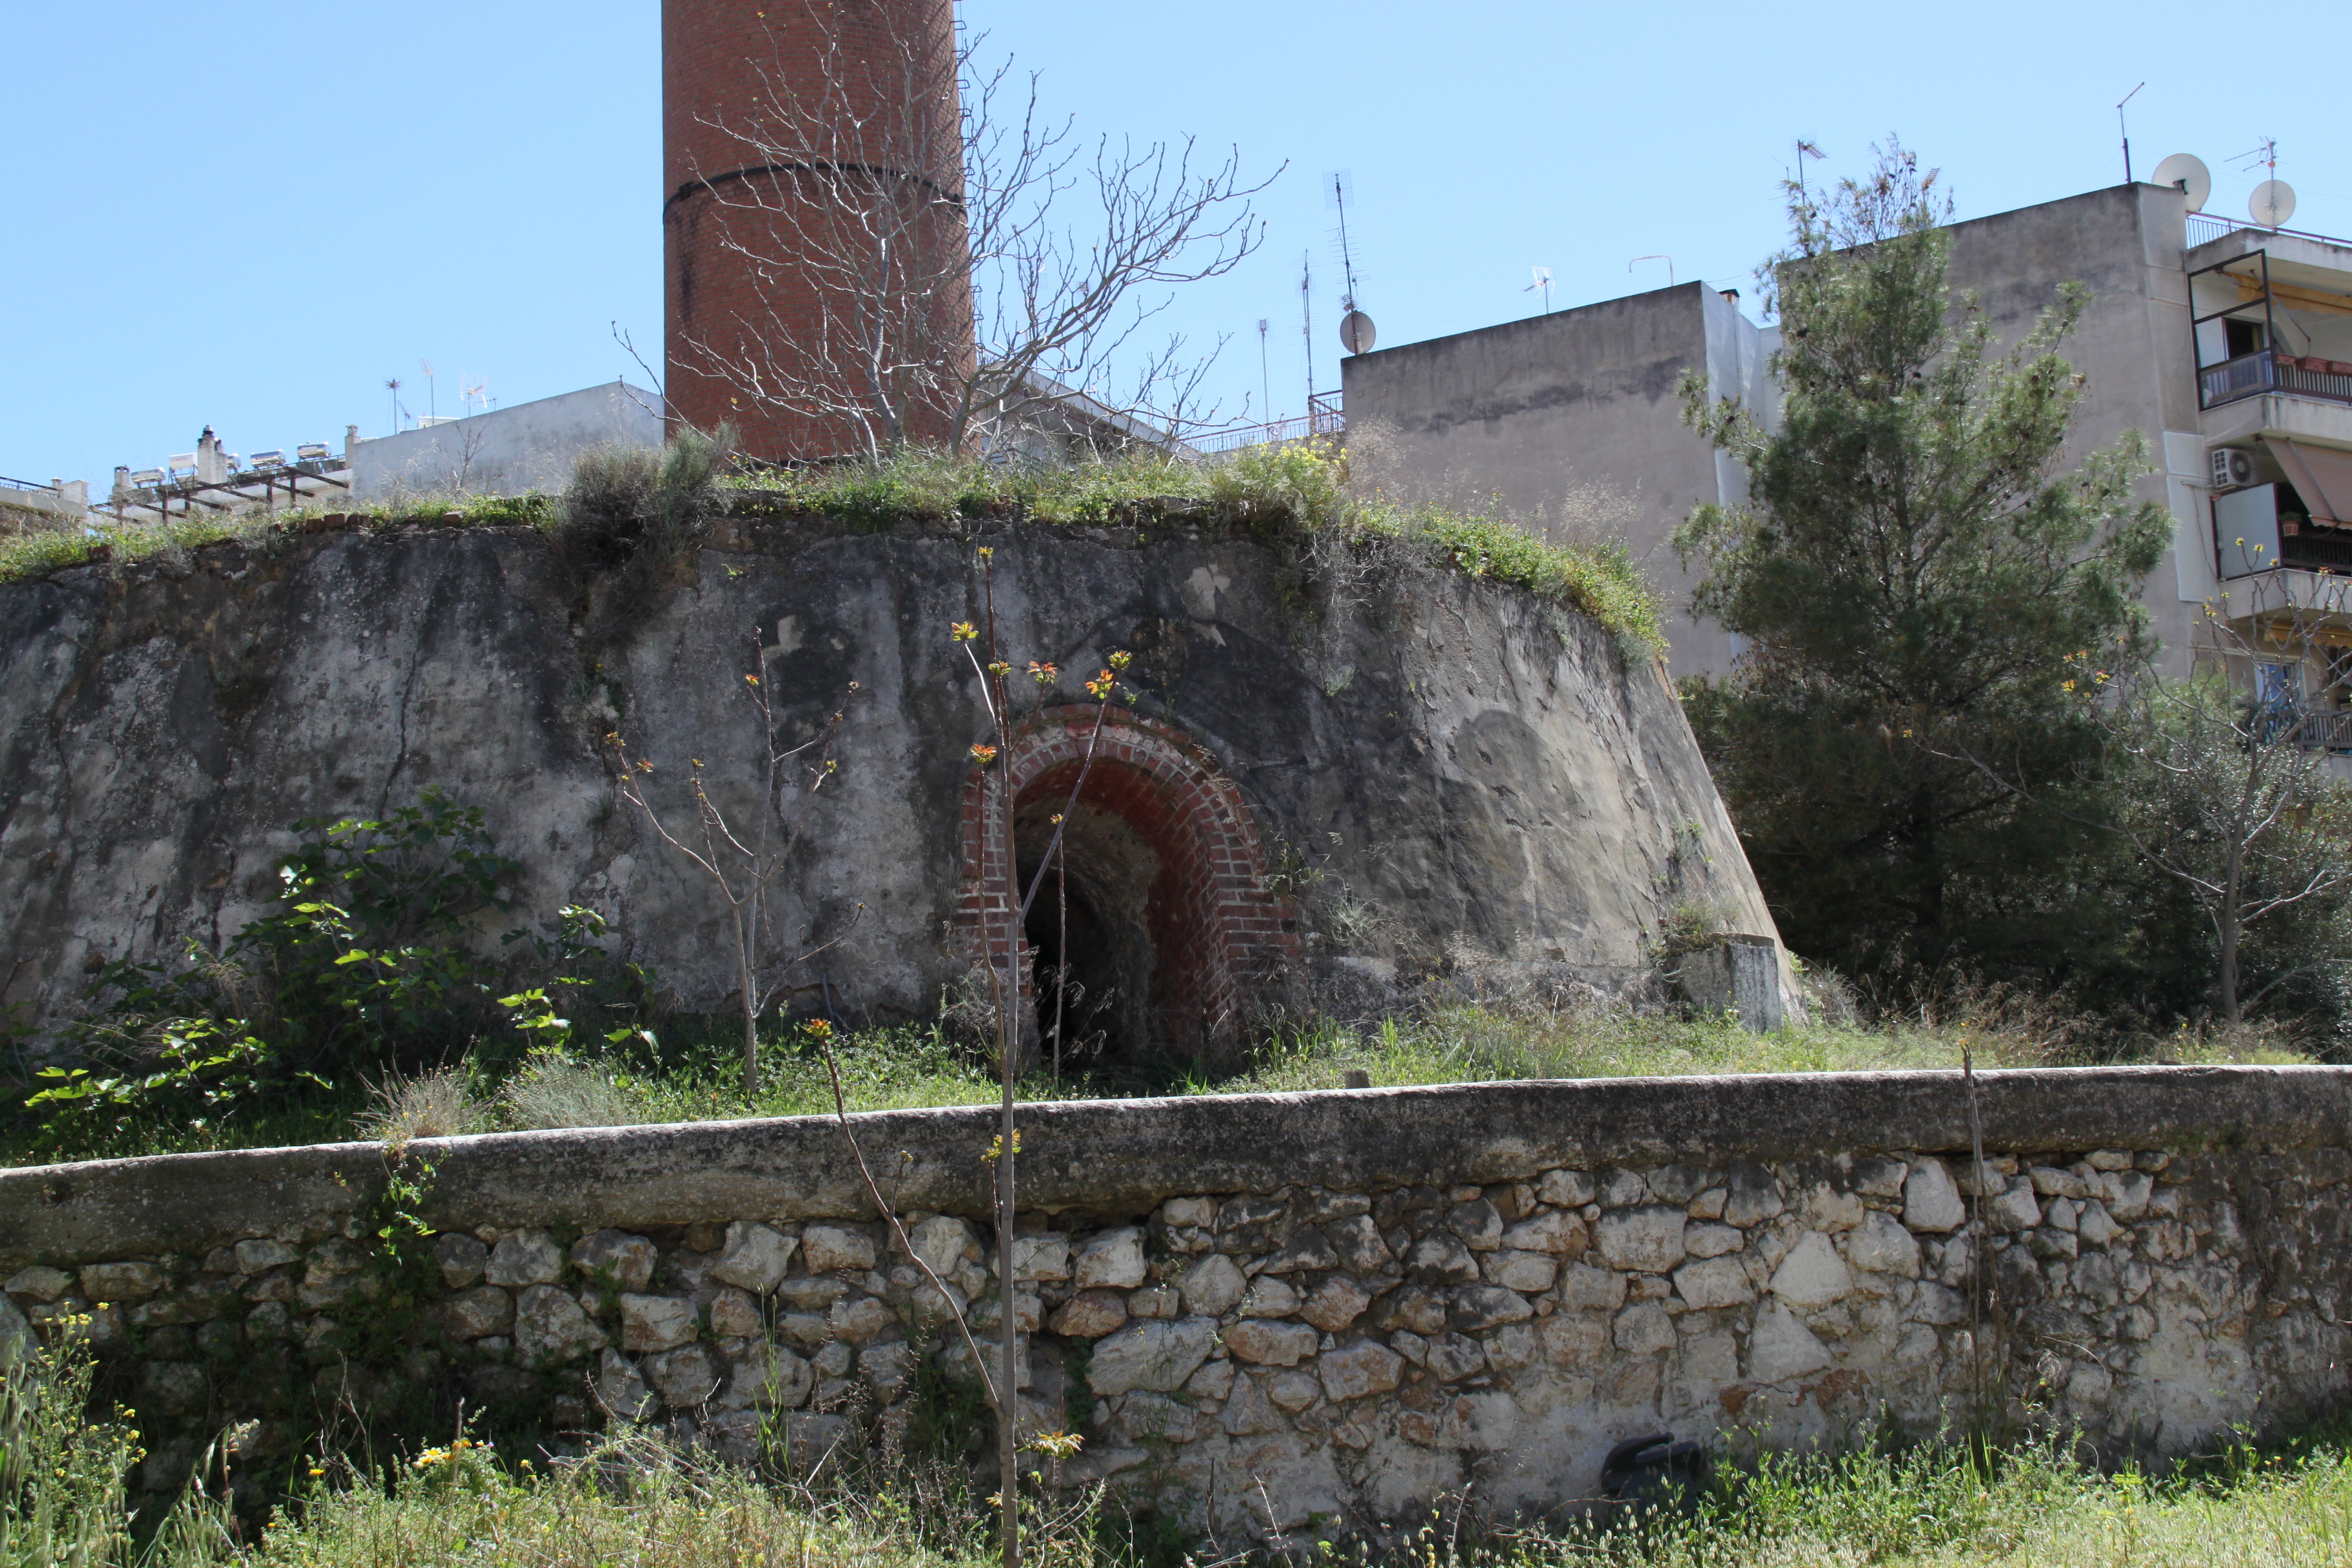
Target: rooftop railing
<point>1325,419</point>
<point>2206,228</point>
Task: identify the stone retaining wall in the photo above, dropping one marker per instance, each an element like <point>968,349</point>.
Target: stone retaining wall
<point>1270,1314</point>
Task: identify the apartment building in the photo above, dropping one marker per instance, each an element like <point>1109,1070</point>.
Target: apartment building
<point>2228,347</point>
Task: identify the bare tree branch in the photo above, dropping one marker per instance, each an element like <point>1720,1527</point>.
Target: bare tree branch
<point>931,254</point>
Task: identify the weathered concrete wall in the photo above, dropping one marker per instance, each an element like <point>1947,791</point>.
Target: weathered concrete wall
<point>1529,411</point>
<point>2125,245</point>
<point>1279,1313</point>
<point>1459,762</point>
<point>524,449</point>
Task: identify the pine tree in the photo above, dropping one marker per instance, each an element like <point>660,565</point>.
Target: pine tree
<point>1915,575</point>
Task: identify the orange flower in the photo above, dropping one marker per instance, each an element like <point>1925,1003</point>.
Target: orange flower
<point>983,755</point>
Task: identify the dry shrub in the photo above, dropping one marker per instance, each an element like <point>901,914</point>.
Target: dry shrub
<point>552,1090</point>
<point>436,1104</point>
<point>626,503</point>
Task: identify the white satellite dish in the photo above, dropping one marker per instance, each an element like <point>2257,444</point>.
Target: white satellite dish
<point>1356,333</point>
<point>2271,204</point>
<point>2187,171</point>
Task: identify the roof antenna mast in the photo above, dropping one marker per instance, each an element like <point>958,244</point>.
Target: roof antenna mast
<point>2126,130</point>
<point>1307,321</point>
<point>1357,333</point>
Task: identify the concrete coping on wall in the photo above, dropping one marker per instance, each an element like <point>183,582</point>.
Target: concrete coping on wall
<point>1111,1157</point>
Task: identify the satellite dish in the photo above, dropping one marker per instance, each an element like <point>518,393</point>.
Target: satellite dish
<point>1356,333</point>
<point>2187,171</point>
<point>2271,204</point>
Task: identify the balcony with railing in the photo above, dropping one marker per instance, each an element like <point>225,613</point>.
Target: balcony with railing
<point>2267,325</point>
<point>2322,729</point>
<point>2267,370</point>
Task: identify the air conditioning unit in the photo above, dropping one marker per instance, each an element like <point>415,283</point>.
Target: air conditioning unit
<point>2232,466</point>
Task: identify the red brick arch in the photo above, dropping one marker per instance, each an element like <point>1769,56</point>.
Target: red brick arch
<point>1216,933</point>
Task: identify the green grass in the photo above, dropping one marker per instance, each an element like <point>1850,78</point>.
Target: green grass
<point>28,556</point>
<point>694,1075</point>
<point>1300,487</point>
<point>1467,1043</point>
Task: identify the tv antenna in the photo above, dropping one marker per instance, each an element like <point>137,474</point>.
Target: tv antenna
<point>1307,323</point>
<point>2272,202</point>
<point>1543,281</point>
<point>1357,333</point>
<point>473,392</point>
<point>391,385</point>
<point>1660,257</point>
<point>432,395</point>
<point>2126,130</point>
<point>1805,150</point>
<point>1264,375</point>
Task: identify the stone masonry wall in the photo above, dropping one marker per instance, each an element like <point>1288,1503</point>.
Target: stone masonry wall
<point>1269,1315</point>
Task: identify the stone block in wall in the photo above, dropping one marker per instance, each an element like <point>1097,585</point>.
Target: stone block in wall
<point>122,1281</point>
<point>461,1259</point>
<point>830,1249</point>
<point>655,1322</point>
<point>1156,1353</point>
<point>523,1257</point>
<point>1649,1238</point>
<point>1212,1285</point>
<point>1111,1259</point>
<point>756,1258</point>
<point>39,1283</point>
<point>622,1391</point>
<point>1089,1315</point>
<point>552,1328</point>
<point>1737,974</point>
<point>616,1258</point>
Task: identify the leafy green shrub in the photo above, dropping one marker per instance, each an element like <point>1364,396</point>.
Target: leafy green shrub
<point>366,965</point>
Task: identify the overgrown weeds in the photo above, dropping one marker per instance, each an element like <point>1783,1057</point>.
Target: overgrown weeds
<point>1302,489</point>
<point>627,503</point>
<point>99,540</point>
<point>631,511</point>
<point>634,1496</point>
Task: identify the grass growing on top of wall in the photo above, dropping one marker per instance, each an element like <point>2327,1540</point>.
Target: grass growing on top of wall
<point>694,1076</point>
<point>31,555</point>
<point>1301,489</point>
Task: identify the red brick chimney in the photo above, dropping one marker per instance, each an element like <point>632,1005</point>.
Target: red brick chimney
<point>872,87</point>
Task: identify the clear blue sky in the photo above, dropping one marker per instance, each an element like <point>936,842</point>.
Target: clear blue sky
<point>251,214</point>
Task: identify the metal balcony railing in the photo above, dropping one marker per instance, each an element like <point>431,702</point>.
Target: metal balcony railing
<point>2266,370</point>
<point>2206,228</point>
<point>2322,730</point>
<point>1325,418</point>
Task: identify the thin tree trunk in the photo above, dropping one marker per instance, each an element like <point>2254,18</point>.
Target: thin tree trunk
<point>751,1006</point>
<point>1009,1407</point>
<point>1062,950</point>
<point>2232,893</point>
